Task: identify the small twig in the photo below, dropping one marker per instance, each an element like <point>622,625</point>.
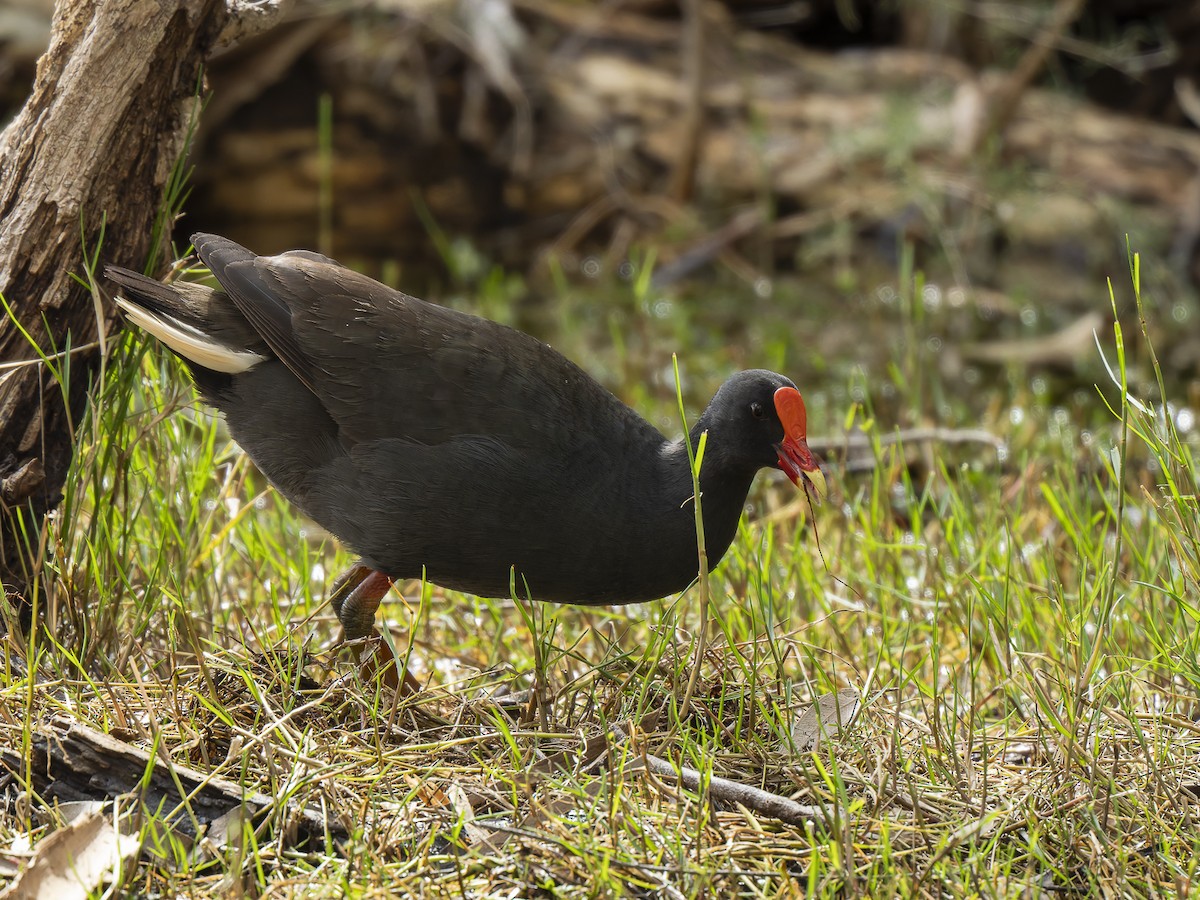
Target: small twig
<point>62,354</point>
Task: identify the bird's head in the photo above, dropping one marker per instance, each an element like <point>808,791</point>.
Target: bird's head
<point>762,422</point>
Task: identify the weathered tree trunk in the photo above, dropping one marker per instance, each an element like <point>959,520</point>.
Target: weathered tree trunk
<point>86,160</point>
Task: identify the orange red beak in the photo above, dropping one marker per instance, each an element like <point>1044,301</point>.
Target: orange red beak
<point>795,459</point>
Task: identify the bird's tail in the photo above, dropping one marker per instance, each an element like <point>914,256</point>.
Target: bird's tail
<point>197,322</point>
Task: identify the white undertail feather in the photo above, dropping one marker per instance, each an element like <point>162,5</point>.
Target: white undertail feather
<point>190,342</point>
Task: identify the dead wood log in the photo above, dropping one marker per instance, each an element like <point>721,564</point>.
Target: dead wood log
<point>71,762</point>
<point>84,163</point>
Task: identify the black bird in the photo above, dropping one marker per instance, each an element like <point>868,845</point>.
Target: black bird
<point>432,441</point>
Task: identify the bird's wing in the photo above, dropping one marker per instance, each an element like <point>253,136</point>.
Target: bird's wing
<point>387,365</point>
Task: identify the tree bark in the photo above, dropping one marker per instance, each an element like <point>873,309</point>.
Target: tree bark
<point>85,162</point>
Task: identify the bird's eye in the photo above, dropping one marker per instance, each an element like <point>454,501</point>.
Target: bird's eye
<point>756,410</point>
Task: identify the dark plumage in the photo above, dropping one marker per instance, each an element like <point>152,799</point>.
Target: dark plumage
<point>428,439</point>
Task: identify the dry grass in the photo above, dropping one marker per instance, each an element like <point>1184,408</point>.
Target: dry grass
<point>1023,633</point>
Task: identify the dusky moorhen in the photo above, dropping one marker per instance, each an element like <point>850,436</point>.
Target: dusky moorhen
<point>430,440</point>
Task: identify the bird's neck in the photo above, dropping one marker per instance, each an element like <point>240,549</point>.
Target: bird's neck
<point>723,490</point>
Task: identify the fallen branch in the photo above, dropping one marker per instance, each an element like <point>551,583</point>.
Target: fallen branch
<point>70,761</point>
<point>723,790</point>
<point>726,791</point>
